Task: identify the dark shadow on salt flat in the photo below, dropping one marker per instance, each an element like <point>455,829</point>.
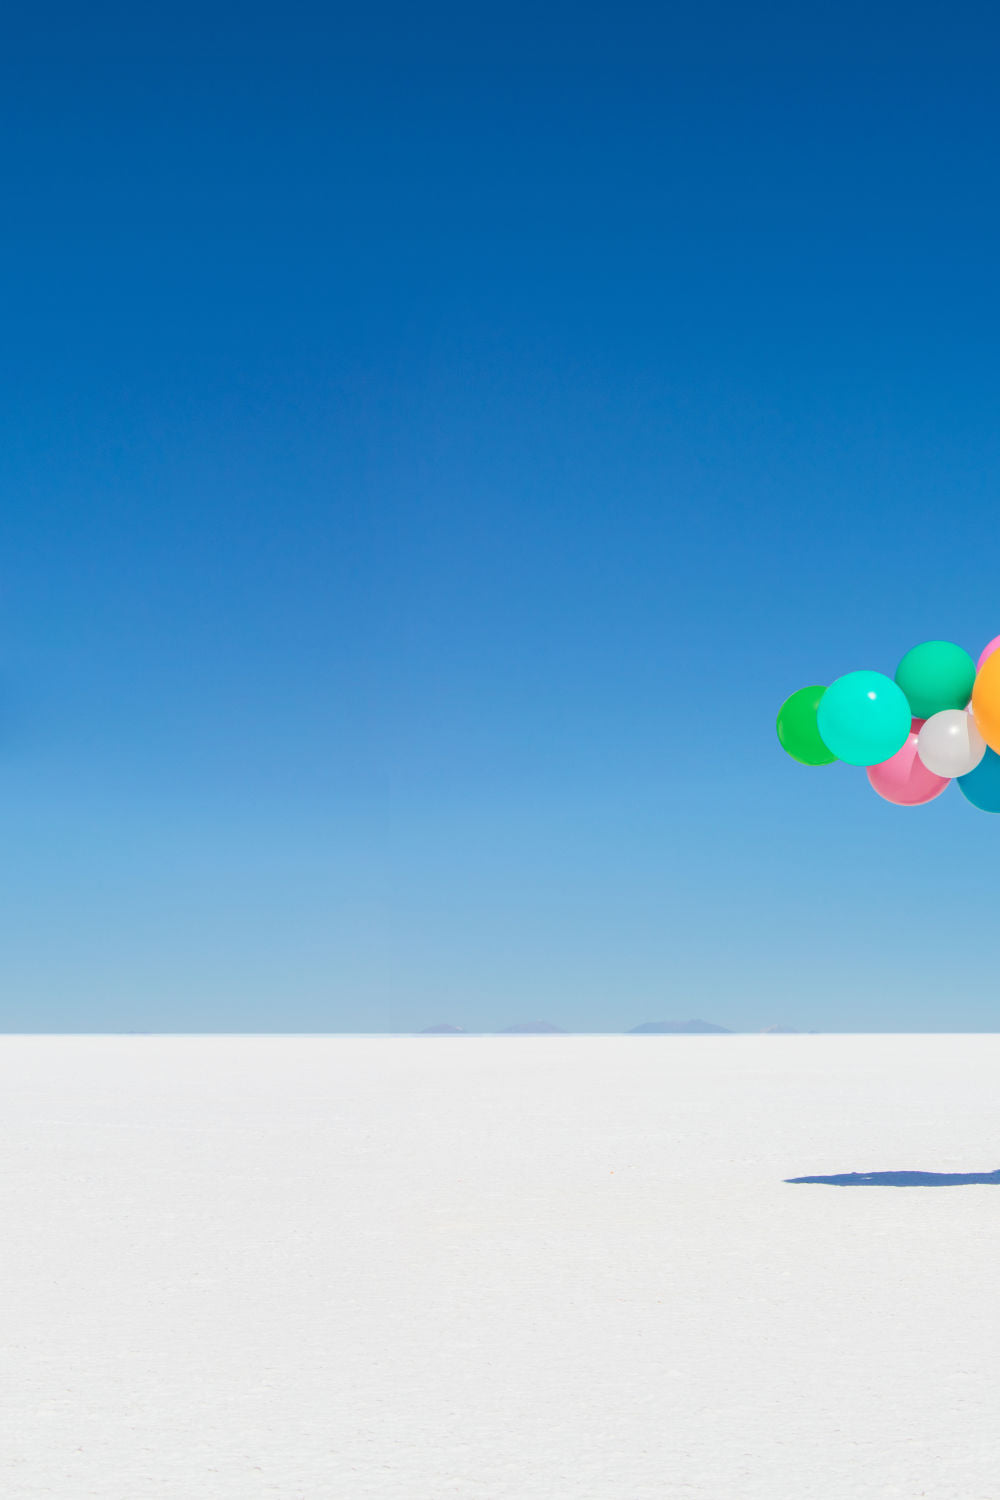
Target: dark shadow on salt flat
<point>903,1179</point>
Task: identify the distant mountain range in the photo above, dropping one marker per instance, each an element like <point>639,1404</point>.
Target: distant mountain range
<point>673,1028</point>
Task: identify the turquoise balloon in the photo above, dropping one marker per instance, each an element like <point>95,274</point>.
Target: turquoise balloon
<point>864,718</point>
<point>982,786</point>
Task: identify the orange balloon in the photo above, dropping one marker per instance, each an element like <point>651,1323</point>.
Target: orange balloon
<point>986,701</point>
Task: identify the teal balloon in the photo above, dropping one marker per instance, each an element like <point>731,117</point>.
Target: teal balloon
<point>936,676</point>
<point>864,718</point>
<point>982,786</point>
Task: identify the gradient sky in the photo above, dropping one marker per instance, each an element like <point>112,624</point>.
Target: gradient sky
<point>433,446</point>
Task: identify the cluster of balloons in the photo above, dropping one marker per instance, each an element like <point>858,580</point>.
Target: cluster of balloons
<point>936,722</point>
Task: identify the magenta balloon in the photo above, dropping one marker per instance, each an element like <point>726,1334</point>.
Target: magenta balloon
<point>994,645</point>
<point>904,779</point>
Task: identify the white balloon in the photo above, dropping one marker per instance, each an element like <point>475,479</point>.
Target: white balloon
<point>949,744</point>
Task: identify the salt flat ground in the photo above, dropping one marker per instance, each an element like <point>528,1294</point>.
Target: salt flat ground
<point>497,1268</point>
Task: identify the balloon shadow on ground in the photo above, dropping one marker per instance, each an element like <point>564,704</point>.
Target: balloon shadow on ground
<point>904,1179</point>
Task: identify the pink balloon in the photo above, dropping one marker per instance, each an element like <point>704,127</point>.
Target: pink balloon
<point>994,645</point>
<point>903,778</point>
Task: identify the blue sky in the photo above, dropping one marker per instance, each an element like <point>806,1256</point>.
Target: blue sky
<point>430,454</point>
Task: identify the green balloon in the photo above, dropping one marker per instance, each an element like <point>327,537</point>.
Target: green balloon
<point>864,718</point>
<point>797,728</point>
<point>935,676</point>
